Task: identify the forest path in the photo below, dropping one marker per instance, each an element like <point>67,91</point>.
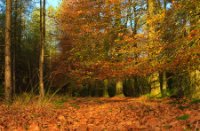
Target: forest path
<point>110,114</point>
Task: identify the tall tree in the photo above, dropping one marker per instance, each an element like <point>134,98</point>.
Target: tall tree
<point>152,34</point>
<point>42,42</point>
<point>124,39</point>
<point>8,68</point>
<point>14,45</point>
<point>2,26</point>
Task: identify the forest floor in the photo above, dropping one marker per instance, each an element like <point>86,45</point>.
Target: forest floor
<point>97,114</point>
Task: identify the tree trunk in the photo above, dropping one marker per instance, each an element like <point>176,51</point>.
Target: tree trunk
<point>14,47</point>
<point>134,29</point>
<point>154,78</point>
<point>163,82</point>
<point>42,42</point>
<point>8,77</point>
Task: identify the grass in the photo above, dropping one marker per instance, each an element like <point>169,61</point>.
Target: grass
<point>59,103</point>
<point>195,101</point>
<point>183,117</point>
<point>25,98</point>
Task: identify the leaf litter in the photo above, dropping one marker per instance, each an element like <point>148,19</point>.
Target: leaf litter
<point>111,114</point>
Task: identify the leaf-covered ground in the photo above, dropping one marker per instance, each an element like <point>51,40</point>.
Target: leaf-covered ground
<point>96,114</point>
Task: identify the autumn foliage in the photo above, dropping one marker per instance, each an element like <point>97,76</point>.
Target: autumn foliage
<point>115,39</point>
<point>108,65</point>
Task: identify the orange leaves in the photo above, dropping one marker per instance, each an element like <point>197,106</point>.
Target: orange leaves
<point>34,127</point>
<point>103,113</point>
<point>193,34</point>
<point>114,1</point>
<point>128,39</point>
<point>86,28</point>
<point>115,38</point>
<point>80,12</point>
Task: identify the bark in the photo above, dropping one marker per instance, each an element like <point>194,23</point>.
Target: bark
<point>42,42</point>
<point>14,47</point>
<point>162,75</point>
<point>154,78</point>
<point>163,82</point>
<point>8,69</point>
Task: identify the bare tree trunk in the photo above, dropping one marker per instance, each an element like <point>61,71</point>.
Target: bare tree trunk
<point>14,48</point>
<point>162,75</point>
<point>8,78</point>
<point>44,22</point>
<point>42,41</point>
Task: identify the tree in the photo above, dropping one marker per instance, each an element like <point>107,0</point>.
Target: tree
<point>123,39</point>
<point>14,44</point>
<point>2,40</point>
<point>42,43</point>
<point>156,16</point>
<point>8,69</point>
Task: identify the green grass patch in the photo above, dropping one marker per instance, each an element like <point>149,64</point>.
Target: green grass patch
<point>59,103</point>
<point>183,117</point>
<point>195,101</point>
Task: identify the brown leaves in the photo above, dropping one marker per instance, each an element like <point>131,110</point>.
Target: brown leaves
<point>103,114</point>
<point>193,34</point>
<point>109,39</point>
<point>34,127</point>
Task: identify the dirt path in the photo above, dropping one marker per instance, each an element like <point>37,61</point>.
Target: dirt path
<point>103,114</point>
